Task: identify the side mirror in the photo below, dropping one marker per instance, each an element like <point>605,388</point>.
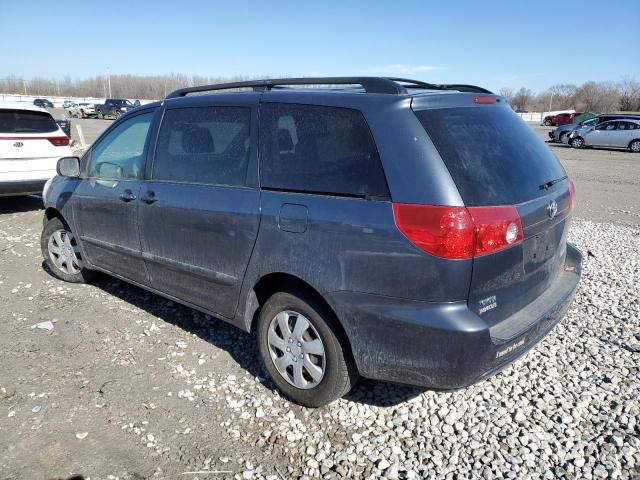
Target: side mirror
<point>68,167</point>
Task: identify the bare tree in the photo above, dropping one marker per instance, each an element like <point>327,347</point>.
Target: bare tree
<point>629,91</point>
<point>507,93</point>
<point>522,99</point>
<point>597,97</point>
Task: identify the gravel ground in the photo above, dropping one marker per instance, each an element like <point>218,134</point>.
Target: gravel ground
<point>124,384</point>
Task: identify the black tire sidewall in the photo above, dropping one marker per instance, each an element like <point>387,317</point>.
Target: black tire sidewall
<point>50,227</point>
<point>339,375</point>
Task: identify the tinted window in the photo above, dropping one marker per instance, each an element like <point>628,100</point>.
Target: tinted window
<point>318,149</point>
<point>24,121</point>
<point>120,154</point>
<point>591,122</point>
<point>208,145</point>
<point>493,156</point>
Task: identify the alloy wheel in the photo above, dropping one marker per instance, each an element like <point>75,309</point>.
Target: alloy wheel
<point>296,349</point>
<point>64,252</point>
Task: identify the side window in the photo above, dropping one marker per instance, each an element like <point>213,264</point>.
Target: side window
<point>627,126</point>
<point>318,149</point>
<point>590,123</point>
<point>606,126</point>
<point>120,155</point>
<point>205,145</point>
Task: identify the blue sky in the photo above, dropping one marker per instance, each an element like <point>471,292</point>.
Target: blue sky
<point>491,43</point>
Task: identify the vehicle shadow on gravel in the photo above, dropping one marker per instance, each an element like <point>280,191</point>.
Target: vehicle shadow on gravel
<point>20,204</point>
<point>242,347</point>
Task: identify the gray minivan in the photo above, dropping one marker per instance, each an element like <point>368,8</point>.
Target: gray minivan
<point>363,226</point>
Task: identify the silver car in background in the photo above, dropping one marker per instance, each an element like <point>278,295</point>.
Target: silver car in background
<point>613,134</point>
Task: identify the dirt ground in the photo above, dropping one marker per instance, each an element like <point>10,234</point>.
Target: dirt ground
<point>125,384</point>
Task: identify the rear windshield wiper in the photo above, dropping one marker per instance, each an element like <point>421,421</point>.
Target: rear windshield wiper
<point>550,183</point>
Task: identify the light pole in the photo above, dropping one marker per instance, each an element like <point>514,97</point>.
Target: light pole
<point>109,80</point>
<point>550,100</point>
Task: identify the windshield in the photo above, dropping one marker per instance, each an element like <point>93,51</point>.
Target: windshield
<point>494,157</point>
<point>25,121</point>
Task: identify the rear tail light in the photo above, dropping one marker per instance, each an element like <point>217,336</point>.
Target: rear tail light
<point>572,195</point>
<point>59,141</point>
<point>459,232</point>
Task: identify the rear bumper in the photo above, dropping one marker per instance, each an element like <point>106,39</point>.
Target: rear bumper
<point>21,187</point>
<point>445,345</point>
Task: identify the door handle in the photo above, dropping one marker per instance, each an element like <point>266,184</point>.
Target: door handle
<point>149,197</point>
<point>127,196</point>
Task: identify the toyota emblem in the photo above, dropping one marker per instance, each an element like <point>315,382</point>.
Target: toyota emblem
<point>18,144</point>
<point>552,209</point>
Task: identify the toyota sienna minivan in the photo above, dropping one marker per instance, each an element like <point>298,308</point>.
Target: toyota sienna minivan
<point>364,226</point>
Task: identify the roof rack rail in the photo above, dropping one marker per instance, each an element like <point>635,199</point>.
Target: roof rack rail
<point>369,84</point>
<point>433,86</point>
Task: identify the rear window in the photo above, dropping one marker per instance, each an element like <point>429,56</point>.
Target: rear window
<point>25,121</point>
<point>492,155</point>
<point>318,149</point>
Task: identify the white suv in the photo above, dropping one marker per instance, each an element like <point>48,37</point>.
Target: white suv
<point>31,142</point>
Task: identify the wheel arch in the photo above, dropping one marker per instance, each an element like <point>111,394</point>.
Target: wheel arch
<point>275,282</point>
<point>51,213</point>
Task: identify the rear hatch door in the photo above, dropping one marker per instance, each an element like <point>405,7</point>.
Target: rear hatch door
<point>496,159</point>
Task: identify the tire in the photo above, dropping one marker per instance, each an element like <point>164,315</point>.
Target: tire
<point>118,115</point>
<point>100,116</point>
<point>56,235</point>
<point>331,355</point>
<point>563,137</point>
<point>634,146</point>
<point>577,142</point>
<point>547,123</point>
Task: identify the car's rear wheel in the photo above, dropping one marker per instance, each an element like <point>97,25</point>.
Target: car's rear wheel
<point>62,253</point>
<point>577,142</point>
<point>118,115</point>
<point>634,146</point>
<point>547,123</point>
<point>303,349</point>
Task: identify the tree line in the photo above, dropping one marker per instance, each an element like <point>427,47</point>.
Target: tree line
<point>121,86</point>
<point>621,96</point>
<point>590,96</point>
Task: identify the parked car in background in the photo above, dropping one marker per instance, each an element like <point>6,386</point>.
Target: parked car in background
<point>561,133</point>
<point>31,143</point>
<point>374,242</point>
<point>65,125</point>
<point>67,104</point>
<point>612,134</point>
<point>559,119</point>
<point>113,107</point>
<point>43,102</point>
<point>83,110</point>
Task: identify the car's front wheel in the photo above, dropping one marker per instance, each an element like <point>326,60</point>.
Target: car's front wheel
<point>635,146</point>
<point>62,253</point>
<point>303,349</point>
<point>100,116</point>
<point>577,142</point>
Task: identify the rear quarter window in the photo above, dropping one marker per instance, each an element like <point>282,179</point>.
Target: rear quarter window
<point>25,121</point>
<point>493,156</point>
<point>318,149</point>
